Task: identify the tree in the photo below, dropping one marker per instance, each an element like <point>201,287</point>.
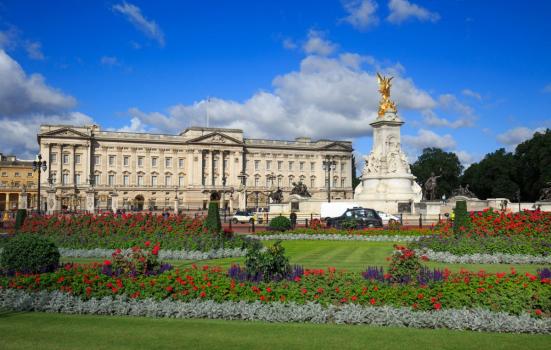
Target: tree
<point>435,160</point>
<point>533,159</point>
<point>355,179</point>
<point>494,176</point>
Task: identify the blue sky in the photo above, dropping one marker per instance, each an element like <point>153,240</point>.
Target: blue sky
<point>470,76</point>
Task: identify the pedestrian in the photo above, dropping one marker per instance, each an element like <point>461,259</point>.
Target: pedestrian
<point>293,218</point>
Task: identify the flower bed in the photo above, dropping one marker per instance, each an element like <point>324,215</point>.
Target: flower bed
<point>319,230</point>
<point>459,319</point>
<point>501,292</point>
<point>491,232</point>
<point>177,232</point>
<point>163,254</point>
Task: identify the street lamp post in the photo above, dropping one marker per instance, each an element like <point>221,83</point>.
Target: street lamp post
<point>329,165</point>
<point>39,165</point>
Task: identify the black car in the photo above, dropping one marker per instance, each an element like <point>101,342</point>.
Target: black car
<point>356,218</point>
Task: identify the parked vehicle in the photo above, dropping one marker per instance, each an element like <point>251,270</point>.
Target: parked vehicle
<point>243,217</point>
<point>388,218</point>
<point>356,218</point>
<point>335,209</point>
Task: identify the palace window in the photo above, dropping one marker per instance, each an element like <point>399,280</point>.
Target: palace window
<point>279,165</point>
<point>291,181</point>
<point>290,166</point>
<point>256,182</point>
<point>96,179</point>
<point>126,180</point>
<point>279,182</point>
<point>65,179</point>
<point>140,180</point>
<point>312,183</point>
<point>180,181</point>
<point>65,159</point>
<point>111,160</point>
<point>154,161</point>
<point>256,165</point>
<point>268,165</point>
<point>77,179</point>
<point>53,158</point>
<point>17,174</point>
<point>225,165</point>
<point>181,163</point>
<point>96,160</point>
<point>168,180</point>
<point>126,160</point>
<point>153,180</point>
<point>29,174</point>
<point>342,166</point>
<point>342,182</point>
<point>301,166</point>
<point>140,161</point>
<point>168,162</point>
<point>77,158</point>
<point>111,180</point>
<point>4,173</point>
<point>335,182</point>
<point>313,166</point>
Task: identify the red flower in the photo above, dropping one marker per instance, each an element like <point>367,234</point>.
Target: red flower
<point>420,296</point>
<point>147,243</point>
<point>203,294</point>
<point>170,289</point>
<point>437,306</point>
<point>538,312</point>
<point>106,262</point>
<point>268,290</point>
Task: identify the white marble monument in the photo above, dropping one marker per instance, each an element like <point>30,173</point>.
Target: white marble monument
<point>386,182</point>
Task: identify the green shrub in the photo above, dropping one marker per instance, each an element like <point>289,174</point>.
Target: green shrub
<point>349,224</point>
<point>29,254</point>
<point>280,223</point>
<point>20,218</point>
<point>461,220</point>
<point>271,264</point>
<point>213,223</point>
<point>404,266</point>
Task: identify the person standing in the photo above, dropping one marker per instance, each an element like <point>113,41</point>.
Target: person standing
<point>293,218</point>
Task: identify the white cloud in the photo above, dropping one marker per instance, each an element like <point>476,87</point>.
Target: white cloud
<point>325,98</point>
<point>34,50</point>
<point>427,138</point>
<point>317,45</point>
<point>466,158</point>
<point>134,14</point>
<point>109,61</point>
<point>289,44</point>
<point>361,13</point>
<point>21,94</point>
<point>19,135</point>
<point>430,118</point>
<point>471,93</point>
<point>9,38</point>
<point>402,10</point>
<point>547,88</point>
<point>515,136</point>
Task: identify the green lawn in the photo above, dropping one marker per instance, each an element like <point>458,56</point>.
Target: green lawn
<point>56,331</point>
<point>353,256</point>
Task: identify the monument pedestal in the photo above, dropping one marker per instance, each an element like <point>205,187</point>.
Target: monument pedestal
<point>386,182</point>
<point>114,203</point>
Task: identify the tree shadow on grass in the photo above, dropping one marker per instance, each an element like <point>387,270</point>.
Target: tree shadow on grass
<point>6,313</point>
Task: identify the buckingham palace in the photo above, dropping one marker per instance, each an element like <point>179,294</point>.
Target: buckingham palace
<point>91,169</point>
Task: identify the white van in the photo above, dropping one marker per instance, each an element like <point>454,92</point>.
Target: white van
<point>335,209</point>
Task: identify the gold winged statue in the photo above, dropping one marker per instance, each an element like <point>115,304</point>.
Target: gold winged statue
<point>385,104</point>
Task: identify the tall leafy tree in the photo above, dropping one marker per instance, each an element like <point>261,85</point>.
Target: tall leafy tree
<point>534,164</point>
<point>435,160</point>
<point>494,176</point>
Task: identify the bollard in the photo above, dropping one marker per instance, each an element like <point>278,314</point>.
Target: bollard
<point>311,217</point>
<point>230,226</point>
<point>401,219</point>
<point>306,220</point>
<point>420,220</point>
<point>253,226</point>
<point>439,217</point>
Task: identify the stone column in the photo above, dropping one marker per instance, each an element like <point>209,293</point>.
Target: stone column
<point>74,175</point>
<point>114,198</point>
<point>211,168</point>
<point>190,159</point>
<point>90,194</point>
<point>60,165</point>
<point>53,204</point>
<point>22,201</point>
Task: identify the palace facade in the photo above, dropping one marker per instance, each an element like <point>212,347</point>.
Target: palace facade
<point>89,168</point>
<point>17,176</point>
